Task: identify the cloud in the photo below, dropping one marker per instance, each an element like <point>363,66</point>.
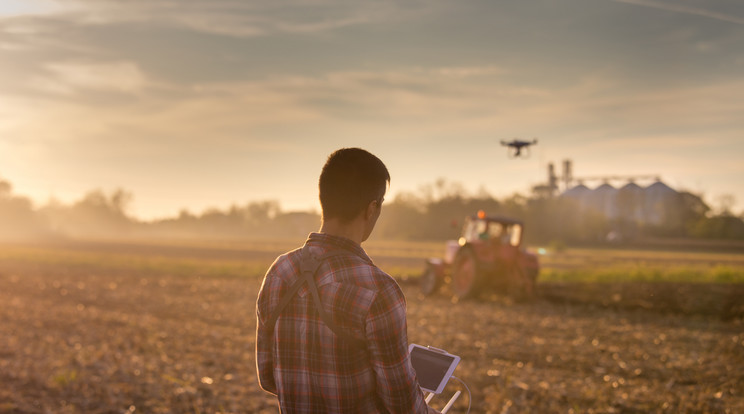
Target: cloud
<point>677,8</point>
<point>413,102</point>
<point>239,18</point>
<point>70,77</point>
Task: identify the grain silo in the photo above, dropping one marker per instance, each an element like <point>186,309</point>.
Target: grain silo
<point>658,197</point>
<point>604,200</point>
<point>580,193</point>
<point>630,202</point>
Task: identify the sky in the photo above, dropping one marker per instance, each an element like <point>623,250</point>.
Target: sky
<point>193,104</point>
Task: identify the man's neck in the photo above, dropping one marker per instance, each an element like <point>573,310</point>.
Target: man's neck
<point>353,230</point>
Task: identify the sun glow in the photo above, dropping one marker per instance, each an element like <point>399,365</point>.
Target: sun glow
<point>24,7</point>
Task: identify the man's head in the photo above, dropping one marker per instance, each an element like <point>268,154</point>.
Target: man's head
<point>352,182</point>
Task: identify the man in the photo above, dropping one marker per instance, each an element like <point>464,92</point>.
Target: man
<point>331,335</point>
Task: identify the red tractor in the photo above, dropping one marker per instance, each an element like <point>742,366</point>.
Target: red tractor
<point>488,257</point>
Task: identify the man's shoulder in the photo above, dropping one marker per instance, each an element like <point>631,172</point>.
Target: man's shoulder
<point>341,266</point>
<point>285,264</point>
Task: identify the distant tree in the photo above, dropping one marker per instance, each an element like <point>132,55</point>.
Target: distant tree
<point>561,220</point>
<point>296,224</point>
<point>441,189</point>
<point>185,215</point>
<point>515,206</point>
<point>96,214</point>
<point>18,220</point>
<point>692,211</point>
<point>681,214</point>
<point>725,204</point>
<point>720,227</point>
<point>261,212</point>
<point>5,189</point>
<point>401,218</point>
<point>120,201</point>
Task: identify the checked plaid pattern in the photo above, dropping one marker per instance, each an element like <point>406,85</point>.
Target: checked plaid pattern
<point>307,366</point>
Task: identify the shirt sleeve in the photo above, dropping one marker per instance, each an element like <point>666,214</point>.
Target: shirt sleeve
<point>386,330</point>
<point>264,358</point>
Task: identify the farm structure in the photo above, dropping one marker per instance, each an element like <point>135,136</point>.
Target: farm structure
<point>648,205</point>
<point>652,204</point>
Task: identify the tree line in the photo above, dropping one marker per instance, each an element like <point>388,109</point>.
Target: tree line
<point>433,212</point>
<point>436,212</point>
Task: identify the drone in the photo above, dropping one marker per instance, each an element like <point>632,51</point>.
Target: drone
<point>516,146</point>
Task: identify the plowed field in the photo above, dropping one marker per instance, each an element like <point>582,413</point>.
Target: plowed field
<point>122,330</point>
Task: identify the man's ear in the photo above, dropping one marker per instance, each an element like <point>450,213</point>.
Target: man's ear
<point>369,212</point>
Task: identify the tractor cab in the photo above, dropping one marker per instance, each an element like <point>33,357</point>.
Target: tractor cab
<point>495,241</point>
<point>499,230</point>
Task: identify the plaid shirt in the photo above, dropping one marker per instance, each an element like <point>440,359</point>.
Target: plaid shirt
<point>307,366</point>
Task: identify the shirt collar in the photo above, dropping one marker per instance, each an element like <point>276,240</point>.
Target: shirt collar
<point>331,242</point>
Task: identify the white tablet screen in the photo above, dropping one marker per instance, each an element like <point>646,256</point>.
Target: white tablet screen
<point>431,367</point>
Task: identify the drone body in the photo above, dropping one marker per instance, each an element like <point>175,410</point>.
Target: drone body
<point>516,146</point>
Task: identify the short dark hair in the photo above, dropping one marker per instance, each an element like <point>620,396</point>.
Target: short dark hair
<point>350,180</point>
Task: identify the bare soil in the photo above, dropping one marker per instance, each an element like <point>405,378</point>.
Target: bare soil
<point>87,338</point>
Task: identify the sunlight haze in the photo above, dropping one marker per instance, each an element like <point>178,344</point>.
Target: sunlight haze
<point>197,104</point>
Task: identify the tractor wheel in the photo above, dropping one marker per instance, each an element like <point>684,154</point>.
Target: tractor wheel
<point>521,286</point>
<point>430,282</point>
<point>466,274</point>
